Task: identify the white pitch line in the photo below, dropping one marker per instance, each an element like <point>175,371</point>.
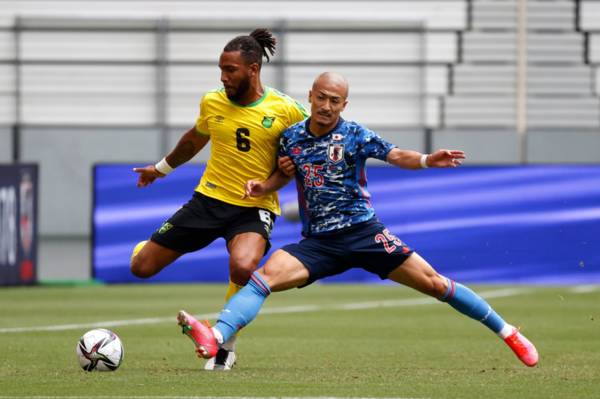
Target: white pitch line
<point>584,289</point>
<point>282,310</point>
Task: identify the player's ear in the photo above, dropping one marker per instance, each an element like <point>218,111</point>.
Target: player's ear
<point>309,96</point>
<point>254,68</point>
<point>344,105</point>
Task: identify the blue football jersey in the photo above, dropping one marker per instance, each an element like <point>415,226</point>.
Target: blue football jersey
<point>330,174</point>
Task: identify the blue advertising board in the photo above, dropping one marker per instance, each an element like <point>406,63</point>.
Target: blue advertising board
<point>490,224</point>
<point>18,224</point>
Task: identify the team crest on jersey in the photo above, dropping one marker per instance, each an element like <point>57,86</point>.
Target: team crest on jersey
<point>296,150</point>
<point>335,152</point>
<point>219,118</point>
<point>268,121</point>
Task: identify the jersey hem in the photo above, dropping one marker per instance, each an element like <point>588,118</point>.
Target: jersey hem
<point>275,210</point>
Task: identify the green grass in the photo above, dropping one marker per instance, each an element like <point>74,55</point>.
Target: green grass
<point>422,351</point>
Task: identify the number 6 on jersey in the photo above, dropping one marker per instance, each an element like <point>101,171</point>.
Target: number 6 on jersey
<point>243,143</point>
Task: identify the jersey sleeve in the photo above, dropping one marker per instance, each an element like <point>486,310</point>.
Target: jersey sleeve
<point>297,112</point>
<point>283,145</point>
<point>373,145</point>
<point>202,121</point>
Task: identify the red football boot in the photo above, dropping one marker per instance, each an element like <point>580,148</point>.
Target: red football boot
<point>523,348</point>
<point>200,333</point>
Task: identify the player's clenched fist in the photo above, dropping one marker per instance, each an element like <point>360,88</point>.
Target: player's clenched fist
<point>254,188</point>
<point>286,165</point>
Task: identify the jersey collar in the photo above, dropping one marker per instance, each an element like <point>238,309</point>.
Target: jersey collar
<point>307,128</point>
<point>252,104</point>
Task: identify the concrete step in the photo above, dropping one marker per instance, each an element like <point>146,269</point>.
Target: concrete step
<point>464,111</point>
<point>541,15</point>
<point>501,79</point>
<point>542,47</point>
<point>499,110</point>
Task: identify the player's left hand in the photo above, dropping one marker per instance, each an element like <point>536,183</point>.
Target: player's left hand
<point>445,159</point>
<point>286,166</point>
<point>253,188</point>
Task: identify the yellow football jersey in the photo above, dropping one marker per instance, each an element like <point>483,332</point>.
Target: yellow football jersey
<point>244,143</point>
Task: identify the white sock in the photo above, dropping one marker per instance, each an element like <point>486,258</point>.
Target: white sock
<point>218,335</point>
<point>230,344</point>
<point>506,331</point>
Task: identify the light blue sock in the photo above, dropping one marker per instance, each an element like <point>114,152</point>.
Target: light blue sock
<point>469,303</point>
<point>243,307</point>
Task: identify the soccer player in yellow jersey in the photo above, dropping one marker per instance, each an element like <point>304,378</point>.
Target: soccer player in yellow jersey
<point>243,120</point>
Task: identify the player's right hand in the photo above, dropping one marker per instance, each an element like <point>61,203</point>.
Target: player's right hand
<point>253,188</point>
<point>286,166</point>
<point>147,175</point>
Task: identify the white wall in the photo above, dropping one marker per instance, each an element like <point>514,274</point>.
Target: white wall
<point>446,14</point>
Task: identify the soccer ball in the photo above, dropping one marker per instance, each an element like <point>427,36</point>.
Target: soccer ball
<point>99,349</point>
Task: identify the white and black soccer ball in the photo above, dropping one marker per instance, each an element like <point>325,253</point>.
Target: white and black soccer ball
<point>99,349</point>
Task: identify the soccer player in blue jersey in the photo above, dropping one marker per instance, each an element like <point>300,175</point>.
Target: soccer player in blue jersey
<point>341,231</point>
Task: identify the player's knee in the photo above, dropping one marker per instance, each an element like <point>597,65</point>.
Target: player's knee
<point>279,257</point>
<point>275,264</point>
<point>433,285</point>
<point>436,286</point>
<point>142,267</point>
<point>283,271</point>
<point>242,267</point>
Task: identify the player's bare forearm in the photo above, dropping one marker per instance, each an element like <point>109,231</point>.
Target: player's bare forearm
<point>257,188</point>
<point>276,181</point>
<point>188,145</point>
<point>405,159</point>
<point>408,159</point>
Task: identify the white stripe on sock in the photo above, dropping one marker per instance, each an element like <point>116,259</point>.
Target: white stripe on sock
<point>506,331</point>
<point>218,335</point>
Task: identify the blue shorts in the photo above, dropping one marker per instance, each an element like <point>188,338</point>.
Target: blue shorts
<point>368,245</point>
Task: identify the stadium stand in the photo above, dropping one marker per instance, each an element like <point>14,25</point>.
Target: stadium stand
<point>589,23</point>
<point>560,88</point>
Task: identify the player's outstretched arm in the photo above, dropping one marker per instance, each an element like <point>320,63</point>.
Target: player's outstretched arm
<point>415,160</point>
<point>189,145</point>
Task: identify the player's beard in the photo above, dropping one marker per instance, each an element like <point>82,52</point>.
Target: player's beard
<point>241,91</point>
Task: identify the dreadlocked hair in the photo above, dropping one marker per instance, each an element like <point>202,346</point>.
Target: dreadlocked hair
<point>266,41</point>
<point>260,43</point>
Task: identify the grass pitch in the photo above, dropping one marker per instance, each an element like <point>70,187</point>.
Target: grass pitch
<point>321,341</point>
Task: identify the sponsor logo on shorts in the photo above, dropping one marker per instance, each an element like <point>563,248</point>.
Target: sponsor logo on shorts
<point>265,217</point>
<point>164,228</point>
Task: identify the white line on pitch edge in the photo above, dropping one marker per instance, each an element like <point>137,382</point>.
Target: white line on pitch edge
<point>282,310</point>
<point>585,289</point>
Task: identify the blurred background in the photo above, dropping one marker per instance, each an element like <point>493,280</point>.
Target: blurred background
<point>513,83</point>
